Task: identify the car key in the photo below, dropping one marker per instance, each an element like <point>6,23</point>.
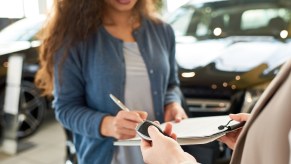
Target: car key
<point>142,129</point>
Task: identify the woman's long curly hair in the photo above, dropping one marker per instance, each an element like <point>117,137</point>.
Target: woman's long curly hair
<point>74,21</point>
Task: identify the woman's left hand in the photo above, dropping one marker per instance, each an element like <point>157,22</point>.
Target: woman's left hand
<point>174,111</point>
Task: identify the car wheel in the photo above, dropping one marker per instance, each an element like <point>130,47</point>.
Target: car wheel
<point>32,108</point>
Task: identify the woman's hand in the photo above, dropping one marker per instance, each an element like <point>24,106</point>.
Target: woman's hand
<point>163,149</point>
<point>174,111</point>
<point>230,138</point>
<point>122,126</point>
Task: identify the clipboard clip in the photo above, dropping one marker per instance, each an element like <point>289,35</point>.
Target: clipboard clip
<point>221,127</point>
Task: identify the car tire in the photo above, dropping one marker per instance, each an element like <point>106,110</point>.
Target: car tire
<point>32,109</point>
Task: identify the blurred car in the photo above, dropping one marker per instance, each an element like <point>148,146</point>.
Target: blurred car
<point>19,38</point>
<point>227,53</point>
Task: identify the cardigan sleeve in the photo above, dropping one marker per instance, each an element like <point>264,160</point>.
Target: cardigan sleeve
<point>69,96</point>
<point>173,90</point>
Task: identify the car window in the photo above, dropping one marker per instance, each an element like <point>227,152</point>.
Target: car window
<point>252,19</point>
<point>181,20</point>
<point>208,23</point>
<point>274,21</point>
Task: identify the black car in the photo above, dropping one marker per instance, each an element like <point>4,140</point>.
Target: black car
<point>20,38</point>
<point>227,53</point>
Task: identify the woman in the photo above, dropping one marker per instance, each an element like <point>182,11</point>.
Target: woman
<point>95,48</point>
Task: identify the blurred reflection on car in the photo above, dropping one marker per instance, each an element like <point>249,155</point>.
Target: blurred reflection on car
<point>227,53</point>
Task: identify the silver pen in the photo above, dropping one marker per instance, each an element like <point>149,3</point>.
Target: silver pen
<point>119,103</point>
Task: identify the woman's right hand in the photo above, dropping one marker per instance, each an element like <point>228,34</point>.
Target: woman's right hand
<point>122,126</point>
<point>230,138</point>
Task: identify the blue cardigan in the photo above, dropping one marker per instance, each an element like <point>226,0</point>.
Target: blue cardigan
<point>95,68</point>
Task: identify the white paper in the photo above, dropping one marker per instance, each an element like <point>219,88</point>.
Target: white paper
<point>198,130</point>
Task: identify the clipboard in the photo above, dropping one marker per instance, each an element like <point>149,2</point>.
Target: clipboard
<point>193,131</point>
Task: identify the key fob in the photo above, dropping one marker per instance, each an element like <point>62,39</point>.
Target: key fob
<point>142,129</point>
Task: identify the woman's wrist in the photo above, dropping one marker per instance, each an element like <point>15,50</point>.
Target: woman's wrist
<point>172,105</point>
<point>105,129</point>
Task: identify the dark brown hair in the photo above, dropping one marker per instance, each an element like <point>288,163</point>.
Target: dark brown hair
<point>74,20</point>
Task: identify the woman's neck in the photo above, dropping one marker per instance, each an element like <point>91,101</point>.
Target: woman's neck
<point>121,24</point>
<point>115,18</point>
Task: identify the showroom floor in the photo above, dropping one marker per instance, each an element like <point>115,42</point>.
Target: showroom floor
<point>46,146</point>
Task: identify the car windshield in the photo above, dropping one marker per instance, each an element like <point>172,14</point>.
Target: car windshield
<point>22,30</point>
<point>248,20</point>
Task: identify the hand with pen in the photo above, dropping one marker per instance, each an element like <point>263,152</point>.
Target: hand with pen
<point>122,126</point>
